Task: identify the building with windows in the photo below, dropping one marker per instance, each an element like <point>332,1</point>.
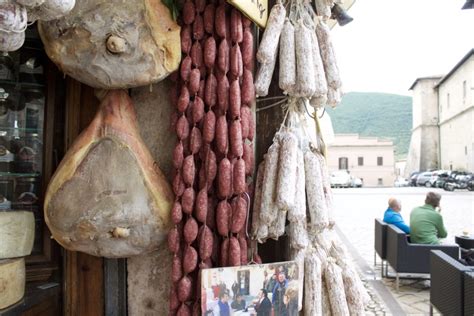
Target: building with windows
<point>369,158</point>
<point>443,120</point>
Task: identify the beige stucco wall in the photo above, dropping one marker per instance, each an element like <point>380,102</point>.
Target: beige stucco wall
<point>352,147</point>
<point>457,120</point>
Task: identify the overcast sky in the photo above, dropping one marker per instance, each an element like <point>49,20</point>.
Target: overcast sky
<point>392,42</point>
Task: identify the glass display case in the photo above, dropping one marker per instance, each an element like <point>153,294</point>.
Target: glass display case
<point>22,112</point>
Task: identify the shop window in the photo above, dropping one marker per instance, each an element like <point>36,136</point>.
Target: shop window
<point>343,163</point>
<point>360,161</point>
<point>379,161</point>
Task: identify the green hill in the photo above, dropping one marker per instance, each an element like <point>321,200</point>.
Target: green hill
<point>376,114</point>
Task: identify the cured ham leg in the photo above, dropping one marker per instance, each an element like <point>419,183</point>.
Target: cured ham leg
<point>108,197</point>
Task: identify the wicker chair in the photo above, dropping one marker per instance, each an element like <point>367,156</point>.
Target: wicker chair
<point>449,282</point>
<point>405,257</point>
<point>380,243</point>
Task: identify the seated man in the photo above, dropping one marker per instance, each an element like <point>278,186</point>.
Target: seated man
<point>392,215</point>
<point>426,224</point>
<point>238,304</point>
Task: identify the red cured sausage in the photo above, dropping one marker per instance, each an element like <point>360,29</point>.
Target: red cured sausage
<point>236,139</point>
<point>185,69</point>
<point>196,54</point>
<point>221,134</point>
<point>248,158</point>
<point>223,94</point>
<point>194,80</point>
<point>176,213</point>
<point>176,269</point>
<point>223,214</point>
<point>224,184</point>
<point>178,184</point>
<point>223,57</point>
<point>239,214</point>
<point>173,240</point>
<point>243,250</point>
<point>209,127</point>
<point>183,100</point>
<point>184,289</point>
<point>190,230</point>
<point>234,252</point>
<point>220,20</point>
<point>201,205</point>
<point>198,28</point>
<point>247,49</point>
<point>182,128</point>
<point>236,61</point>
<point>189,12</point>
<point>236,28</point>
<point>206,243</point>
<point>190,259</point>
<point>210,91</point>
<point>198,109</point>
<point>248,88</point>
<point>239,176</point>
<point>189,170</point>
<point>186,40</point>
<point>211,166</point>
<point>178,155</point>
<point>196,140</point>
<point>187,200</point>
<point>224,253</point>
<point>210,49</point>
<point>209,18</point>
<point>234,99</point>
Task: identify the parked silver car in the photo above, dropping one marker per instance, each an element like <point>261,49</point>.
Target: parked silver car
<point>424,179</point>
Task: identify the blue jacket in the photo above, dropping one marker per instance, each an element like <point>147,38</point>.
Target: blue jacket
<point>392,217</point>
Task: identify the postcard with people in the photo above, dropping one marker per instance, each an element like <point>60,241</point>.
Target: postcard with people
<point>253,290</point>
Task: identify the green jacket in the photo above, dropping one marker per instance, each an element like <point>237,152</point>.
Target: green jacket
<point>426,225</point>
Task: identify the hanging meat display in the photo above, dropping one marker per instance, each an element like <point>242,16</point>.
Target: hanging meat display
<point>114,44</point>
<point>107,197</point>
<point>214,156</point>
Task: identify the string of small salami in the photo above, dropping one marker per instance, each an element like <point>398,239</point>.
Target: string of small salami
<point>292,193</point>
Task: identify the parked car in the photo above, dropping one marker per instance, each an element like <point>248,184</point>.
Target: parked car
<point>340,179</point>
<point>356,182</point>
<point>435,175</point>
<point>423,179</point>
<point>441,179</point>
<point>470,184</point>
<point>401,182</point>
<point>413,177</point>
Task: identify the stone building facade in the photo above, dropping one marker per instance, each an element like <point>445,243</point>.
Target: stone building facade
<point>443,120</point>
<point>368,158</point>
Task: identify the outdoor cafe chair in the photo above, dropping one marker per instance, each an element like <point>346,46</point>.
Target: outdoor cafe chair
<point>380,243</point>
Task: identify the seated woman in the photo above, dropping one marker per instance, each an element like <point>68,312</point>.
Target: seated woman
<point>392,215</point>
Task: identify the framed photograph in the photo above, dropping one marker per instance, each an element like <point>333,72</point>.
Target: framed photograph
<point>254,290</point>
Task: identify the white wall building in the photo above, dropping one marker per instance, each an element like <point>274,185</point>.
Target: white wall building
<point>443,120</point>
<point>368,158</point>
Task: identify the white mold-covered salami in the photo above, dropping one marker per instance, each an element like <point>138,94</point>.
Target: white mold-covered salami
<point>262,233</point>
<point>287,75</point>
<point>318,102</point>
<point>321,86</point>
<point>257,201</point>
<point>12,41</point>
<point>327,188</point>
<point>51,10</point>
<point>323,9</point>
<point>299,256</point>
<point>353,290</point>
<point>280,224</point>
<point>313,285</point>
<point>264,77</point>
<point>268,210</point>
<point>286,185</point>
<point>327,54</point>
<point>298,212</point>
<point>12,17</point>
<point>314,192</point>
<point>30,3</point>
<point>334,96</point>
<point>298,235</point>
<point>337,296</point>
<point>326,305</point>
<point>305,76</point>
<point>271,36</point>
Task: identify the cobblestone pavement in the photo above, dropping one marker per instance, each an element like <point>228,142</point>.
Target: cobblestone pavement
<point>355,210</point>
